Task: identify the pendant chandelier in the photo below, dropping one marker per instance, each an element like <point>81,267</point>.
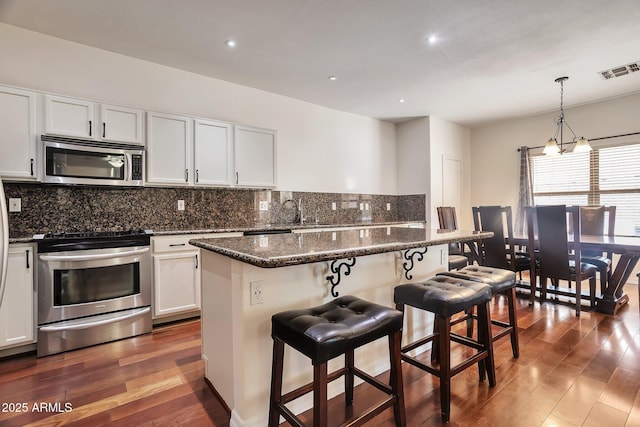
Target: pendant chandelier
<point>552,148</point>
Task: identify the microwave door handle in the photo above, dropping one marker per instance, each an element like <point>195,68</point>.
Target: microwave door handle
<point>129,167</point>
<point>92,257</point>
<point>89,324</point>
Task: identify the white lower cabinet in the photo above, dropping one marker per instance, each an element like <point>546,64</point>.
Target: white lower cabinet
<point>17,309</point>
<point>177,283</point>
<point>176,275</point>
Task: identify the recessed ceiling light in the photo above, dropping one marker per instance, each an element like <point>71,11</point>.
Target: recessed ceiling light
<point>333,78</point>
<point>432,39</point>
<point>230,43</point>
<point>401,100</point>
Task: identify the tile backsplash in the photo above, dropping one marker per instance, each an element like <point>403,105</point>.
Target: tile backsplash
<point>52,208</point>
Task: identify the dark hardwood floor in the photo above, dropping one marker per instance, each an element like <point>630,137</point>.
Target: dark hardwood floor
<point>572,372</point>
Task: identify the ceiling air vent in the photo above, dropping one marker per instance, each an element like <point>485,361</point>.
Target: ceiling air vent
<point>620,71</point>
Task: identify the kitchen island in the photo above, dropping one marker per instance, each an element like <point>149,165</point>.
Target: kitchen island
<point>245,280</point>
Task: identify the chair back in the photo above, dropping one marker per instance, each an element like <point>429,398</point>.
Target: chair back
<point>592,223</point>
<point>593,219</point>
<point>553,240</point>
<point>447,219</point>
<point>495,251</point>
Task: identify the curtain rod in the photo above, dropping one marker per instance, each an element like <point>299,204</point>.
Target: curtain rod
<point>594,139</point>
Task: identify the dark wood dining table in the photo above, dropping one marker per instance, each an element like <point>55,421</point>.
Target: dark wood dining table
<point>628,247</point>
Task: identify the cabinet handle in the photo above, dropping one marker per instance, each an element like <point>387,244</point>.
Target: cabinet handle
<point>186,175</point>
<point>27,258</point>
<point>236,177</point>
<point>196,261</point>
<point>31,161</point>
<point>197,175</point>
<point>177,244</point>
<point>90,127</point>
<point>104,130</point>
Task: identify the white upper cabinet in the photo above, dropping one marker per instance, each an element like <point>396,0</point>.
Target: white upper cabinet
<point>213,145</point>
<point>169,142</point>
<point>79,118</point>
<point>18,138</point>
<point>255,154</point>
<point>121,124</point>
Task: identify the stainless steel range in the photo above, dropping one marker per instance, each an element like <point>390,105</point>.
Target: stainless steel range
<point>92,288</point>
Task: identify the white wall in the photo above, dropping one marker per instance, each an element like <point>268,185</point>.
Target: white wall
<point>452,142</point>
<point>319,149</point>
<point>495,159</point>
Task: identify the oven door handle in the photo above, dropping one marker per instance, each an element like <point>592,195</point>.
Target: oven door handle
<point>85,325</point>
<point>92,257</point>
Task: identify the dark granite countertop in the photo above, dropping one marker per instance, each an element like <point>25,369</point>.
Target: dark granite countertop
<point>280,250</point>
<point>273,227</point>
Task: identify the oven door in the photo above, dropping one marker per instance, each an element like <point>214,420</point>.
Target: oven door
<point>84,283</point>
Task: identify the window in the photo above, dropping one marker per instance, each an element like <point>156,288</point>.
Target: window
<point>604,176</point>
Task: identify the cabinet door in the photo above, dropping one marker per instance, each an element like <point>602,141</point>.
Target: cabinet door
<point>169,149</point>
<point>212,152</point>
<point>120,124</point>
<point>69,117</point>
<point>18,139</point>
<point>176,283</point>
<point>255,151</point>
<point>16,311</point>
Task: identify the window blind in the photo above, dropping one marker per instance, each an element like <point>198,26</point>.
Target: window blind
<point>604,176</point>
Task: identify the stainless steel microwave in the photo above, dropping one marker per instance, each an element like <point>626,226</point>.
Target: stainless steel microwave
<point>75,161</point>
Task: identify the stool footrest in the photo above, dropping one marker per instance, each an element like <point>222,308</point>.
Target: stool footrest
<point>289,416</point>
<point>308,388</point>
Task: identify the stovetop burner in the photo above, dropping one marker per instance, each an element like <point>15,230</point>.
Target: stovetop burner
<point>89,240</point>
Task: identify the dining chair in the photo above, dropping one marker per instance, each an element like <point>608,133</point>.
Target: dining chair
<point>499,251</point>
<point>556,258</point>
<point>592,223</point>
<point>458,257</point>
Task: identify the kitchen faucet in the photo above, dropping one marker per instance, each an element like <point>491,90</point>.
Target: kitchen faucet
<point>301,212</point>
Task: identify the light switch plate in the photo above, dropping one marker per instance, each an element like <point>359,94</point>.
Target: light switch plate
<point>180,205</point>
<point>264,205</point>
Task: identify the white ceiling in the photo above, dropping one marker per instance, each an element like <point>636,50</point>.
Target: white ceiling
<point>495,59</point>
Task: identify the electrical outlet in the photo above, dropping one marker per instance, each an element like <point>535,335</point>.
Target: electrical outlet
<point>264,205</point>
<point>333,206</point>
<point>180,205</point>
<point>388,206</point>
<point>15,204</point>
<point>361,206</point>
<point>257,296</point>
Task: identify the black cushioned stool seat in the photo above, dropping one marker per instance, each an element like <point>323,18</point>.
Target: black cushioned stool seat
<point>456,262</point>
<point>445,296</point>
<point>502,282</point>
<point>324,332</point>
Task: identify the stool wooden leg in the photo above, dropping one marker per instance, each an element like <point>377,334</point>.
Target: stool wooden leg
<point>444,338</point>
<point>395,378</point>
<point>513,321</point>
<point>276,382</point>
<point>348,377</point>
<point>320,413</point>
<point>435,344</point>
<point>484,322</point>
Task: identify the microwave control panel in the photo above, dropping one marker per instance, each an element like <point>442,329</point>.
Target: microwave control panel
<point>136,167</point>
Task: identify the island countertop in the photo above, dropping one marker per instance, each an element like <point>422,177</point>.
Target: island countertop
<point>281,250</point>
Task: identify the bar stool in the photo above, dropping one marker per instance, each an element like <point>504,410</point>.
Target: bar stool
<point>456,262</point>
<point>445,296</point>
<point>327,331</point>
<point>502,282</point>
